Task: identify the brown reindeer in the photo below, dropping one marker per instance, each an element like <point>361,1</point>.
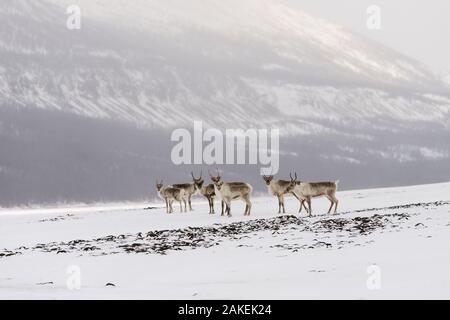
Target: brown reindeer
<point>279,188</point>
<point>169,195</point>
<point>231,191</point>
<point>305,191</point>
<point>189,191</point>
<point>207,191</point>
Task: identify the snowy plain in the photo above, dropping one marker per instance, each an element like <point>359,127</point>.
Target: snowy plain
<point>148,254</point>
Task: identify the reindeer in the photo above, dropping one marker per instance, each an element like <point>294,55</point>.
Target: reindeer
<point>279,189</point>
<point>307,190</point>
<point>231,191</point>
<point>207,191</point>
<point>170,194</point>
<point>189,191</point>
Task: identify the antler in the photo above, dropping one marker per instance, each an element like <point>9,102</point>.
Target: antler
<point>215,177</point>
<point>293,179</point>
<point>193,177</point>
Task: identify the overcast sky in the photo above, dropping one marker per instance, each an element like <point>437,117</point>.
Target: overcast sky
<point>417,28</point>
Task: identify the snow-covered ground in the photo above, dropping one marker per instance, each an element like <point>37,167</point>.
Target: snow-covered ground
<point>383,243</point>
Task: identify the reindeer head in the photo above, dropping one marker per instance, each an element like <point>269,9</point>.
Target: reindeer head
<point>216,179</point>
<point>267,179</point>
<point>219,185</point>
<point>198,182</point>
<point>293,183</point>
<point>159,186</point>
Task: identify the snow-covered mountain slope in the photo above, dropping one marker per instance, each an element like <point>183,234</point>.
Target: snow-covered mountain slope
<point>248,63</point>
<point>94,108</point>
<point>401,232</point>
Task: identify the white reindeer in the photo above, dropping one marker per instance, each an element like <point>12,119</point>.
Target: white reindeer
<point>170,194</point>
<point>189,191</point>
<point>207,191</point>
<point>305,191</point>
<point>232,191</point>
<point>279,188</point>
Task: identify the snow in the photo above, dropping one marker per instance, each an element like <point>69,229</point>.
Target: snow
<point>410,248</point>
<point>263,20</point>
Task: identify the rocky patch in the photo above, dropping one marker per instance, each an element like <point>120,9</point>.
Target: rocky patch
<point>283,233</point>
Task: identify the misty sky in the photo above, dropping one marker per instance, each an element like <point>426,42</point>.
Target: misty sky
<point>417,28</point>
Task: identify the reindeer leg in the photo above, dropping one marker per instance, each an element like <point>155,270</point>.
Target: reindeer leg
<point>299,200</point>
<point>304,206</point>
<point>249,205</point>
<point>332,204</point>
<point>190,204</point>
<point>336,201</point>
<point>228,203</point>
<point>309,205</point>
<point>223,203</point>
<point>282,203</point>
<point>167,205</point>
<point>210,205</point>
<point>279,204</point>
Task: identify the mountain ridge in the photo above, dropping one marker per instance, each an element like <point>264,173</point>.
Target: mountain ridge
<point>86,115</point>
<point>172,72</point>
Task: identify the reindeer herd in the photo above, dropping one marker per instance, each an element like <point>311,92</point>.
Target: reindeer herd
<point>228,191</point>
